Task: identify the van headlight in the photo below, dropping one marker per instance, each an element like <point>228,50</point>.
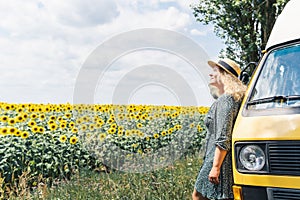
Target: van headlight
<point>252,157</point>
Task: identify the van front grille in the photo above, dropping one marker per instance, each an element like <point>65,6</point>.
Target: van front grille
<point>284,157</point>
<point>283,194</point>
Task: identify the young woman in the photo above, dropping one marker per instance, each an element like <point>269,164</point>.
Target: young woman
<point>214,180</point>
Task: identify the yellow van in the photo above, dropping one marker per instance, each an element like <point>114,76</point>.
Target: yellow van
<point>266,135</point>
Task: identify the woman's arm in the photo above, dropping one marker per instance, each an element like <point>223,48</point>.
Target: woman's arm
<point>218,160</point>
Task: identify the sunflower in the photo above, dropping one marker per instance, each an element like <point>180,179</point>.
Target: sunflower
<point>171,130</point>
<point>3,131</point>
<point>13,107</point>
<point>12,121</point>
<point>47,109</point>
<point>120,133</point>
<point>85,118</point>
<point>51,122</point>
<point>92,127</point>
<point>68,115</point>
<point>113,126</point>
<point>79,121</point>
<point>33,116</point>
<point>41,129</point>
<point>156,136</point>
<point>110,120</point>
<point>19,118</point>
<point>17,133</point>
<point>83,127</point>
<point>102,136</point>
<point>111,130</point>
<point>31,123</point>
<point>24,134</point>
<point>121,117</point>
<point>74,130</point>
<point>71,124</point>
<point>100,121</point>
<point>120,128</point>
<point>7,107</point>
<point>178,127</point>
<point>63,126</point>
<point>4,118</point>
<point>174,115</point>
<point>73,140</point>
<point>139,125</point>
<point>68,107</point>
<point>163,133</point>
<point>147,138</point>
<point>35,129</point>
<point>140,134</point>
<point>52,117</point>
<point>63,138</point>
<point>133,132</point>
<point>144,117</point>
<point>25,116</point>
<point>203,110</point>
<point>42,117</point>
<point>19,110</point>
<point>127,133</point>
<point>166,114</point>
<point>11,130</point>
<point>199,128</point>
<point>88,135</point>
<point>98,125</point>
<point>52,127</point>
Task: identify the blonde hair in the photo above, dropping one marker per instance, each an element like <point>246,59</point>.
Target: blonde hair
<point>232,85</point>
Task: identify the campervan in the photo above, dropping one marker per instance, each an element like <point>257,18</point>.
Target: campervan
<point>266,134</point>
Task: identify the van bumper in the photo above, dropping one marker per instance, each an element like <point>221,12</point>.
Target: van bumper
<point>264,193</point>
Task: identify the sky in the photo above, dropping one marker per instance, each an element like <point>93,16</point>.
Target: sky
<point>105,51</point>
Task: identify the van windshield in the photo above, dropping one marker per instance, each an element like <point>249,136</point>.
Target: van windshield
<point>278,84</point>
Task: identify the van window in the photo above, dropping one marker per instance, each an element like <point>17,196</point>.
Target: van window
<point>278,84</point>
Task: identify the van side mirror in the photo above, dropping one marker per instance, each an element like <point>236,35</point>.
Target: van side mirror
<point>245,77</point>
<point>247,72</point>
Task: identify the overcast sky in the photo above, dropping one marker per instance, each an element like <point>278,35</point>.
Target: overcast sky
<point>45,46</point>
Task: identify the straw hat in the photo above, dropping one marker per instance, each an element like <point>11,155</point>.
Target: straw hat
<point>228,65</point>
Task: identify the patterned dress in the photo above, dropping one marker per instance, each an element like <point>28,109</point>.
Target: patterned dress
<point>219,122</point>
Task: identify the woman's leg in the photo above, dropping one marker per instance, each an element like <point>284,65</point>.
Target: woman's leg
<point>197,196</point>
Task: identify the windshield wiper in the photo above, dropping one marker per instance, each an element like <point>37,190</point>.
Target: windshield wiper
<point>279,98</point>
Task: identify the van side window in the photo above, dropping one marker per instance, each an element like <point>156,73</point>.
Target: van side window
<point>278,84</point>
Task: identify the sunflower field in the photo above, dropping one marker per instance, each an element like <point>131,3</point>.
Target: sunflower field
<point>54,141</point>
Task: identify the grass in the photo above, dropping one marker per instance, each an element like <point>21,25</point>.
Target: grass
<point>175,181</point>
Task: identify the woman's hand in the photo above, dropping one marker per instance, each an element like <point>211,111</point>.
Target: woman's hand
<point>213,176</point>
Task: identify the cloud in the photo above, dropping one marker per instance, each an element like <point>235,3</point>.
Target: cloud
<point>197,32</point>
<point>44,44</point>
<point>83,13</point>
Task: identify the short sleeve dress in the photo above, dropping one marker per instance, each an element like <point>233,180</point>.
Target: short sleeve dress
<point>219,122</point>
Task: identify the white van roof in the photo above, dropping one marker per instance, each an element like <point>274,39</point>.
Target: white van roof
<point>287,25</point>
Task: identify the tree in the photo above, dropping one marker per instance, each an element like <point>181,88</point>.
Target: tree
<point>245,25</point>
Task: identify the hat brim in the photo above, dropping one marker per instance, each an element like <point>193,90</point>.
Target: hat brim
<point>213,64</point>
